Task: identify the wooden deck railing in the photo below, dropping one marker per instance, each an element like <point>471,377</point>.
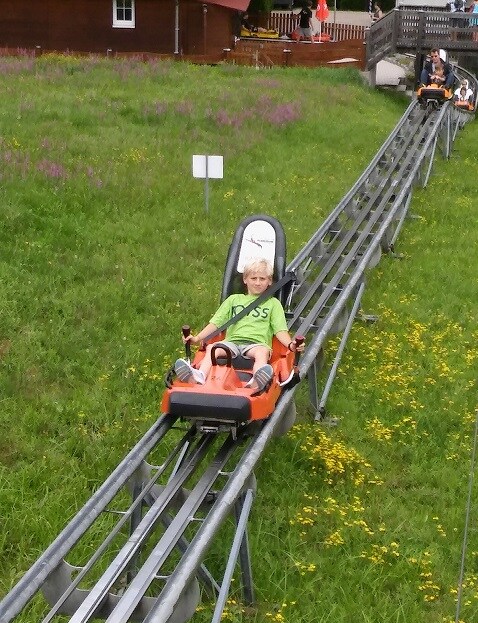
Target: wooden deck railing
<point>344,32</point>
<point>413,31</point>
<point>285,23</point>
<point>275,52</point>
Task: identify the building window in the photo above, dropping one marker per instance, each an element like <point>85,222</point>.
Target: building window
<point>123,13</point>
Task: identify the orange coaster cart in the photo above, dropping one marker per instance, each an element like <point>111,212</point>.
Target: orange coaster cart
<point>224,400</point>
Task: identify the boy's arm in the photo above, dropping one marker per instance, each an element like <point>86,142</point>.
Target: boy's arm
<point>219,317</point>
<point>197,339</point>
<point>286,340</point>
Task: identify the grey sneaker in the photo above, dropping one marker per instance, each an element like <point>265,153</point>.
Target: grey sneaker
<point>263,376</point>
<point>187,374</point>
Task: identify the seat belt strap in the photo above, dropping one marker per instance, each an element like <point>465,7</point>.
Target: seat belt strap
<point>287,278</point>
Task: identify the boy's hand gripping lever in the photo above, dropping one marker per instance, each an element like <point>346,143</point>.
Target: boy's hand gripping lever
<point>186,329</point>
<point>294,376</point>
<point>299,340</point>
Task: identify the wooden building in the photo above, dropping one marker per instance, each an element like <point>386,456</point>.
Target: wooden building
<point>180,27</point>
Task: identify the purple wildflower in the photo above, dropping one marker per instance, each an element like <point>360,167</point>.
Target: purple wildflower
<point>282,114</point>
<point>52,169</point>
<point>184,108</point>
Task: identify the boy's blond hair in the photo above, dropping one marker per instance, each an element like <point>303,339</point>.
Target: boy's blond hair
<point>258,264</point>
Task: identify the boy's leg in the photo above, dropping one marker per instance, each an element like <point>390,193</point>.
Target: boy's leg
<point>262,371</point>
<point>187,374</point>
<point>260,355</point>
<point>206,363</point>
<point>263,376</point>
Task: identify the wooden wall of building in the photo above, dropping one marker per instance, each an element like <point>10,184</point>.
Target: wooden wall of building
<point>86,26</point>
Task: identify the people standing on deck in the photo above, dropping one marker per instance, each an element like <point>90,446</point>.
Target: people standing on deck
<point>474,20</point>
<point>457,7</point>
<point>377,13</point>
<point>305,22</point>
<point>429,76</point>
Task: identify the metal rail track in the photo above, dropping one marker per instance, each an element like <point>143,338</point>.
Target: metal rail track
<point>148,565</point>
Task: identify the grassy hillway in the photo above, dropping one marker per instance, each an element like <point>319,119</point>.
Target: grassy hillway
<point>106,251</point>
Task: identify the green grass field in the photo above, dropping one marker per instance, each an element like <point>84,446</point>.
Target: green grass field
<point>106,251</point>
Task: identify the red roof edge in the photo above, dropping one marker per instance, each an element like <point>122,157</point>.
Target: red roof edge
<point>238,5</point>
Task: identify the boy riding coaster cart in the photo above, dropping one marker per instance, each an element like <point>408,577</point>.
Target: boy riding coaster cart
<point>232,383</point>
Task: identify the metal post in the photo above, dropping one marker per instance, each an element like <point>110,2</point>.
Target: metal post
<point>447,132</point>
<point>401,219</point>
<point>335,20</point>
<point>239,537</point>
<point>176,28</point>
<point>430,162</point>
<point>340,350</point>
<point>26,588</point>
<point>206,186</point>
<point>373,75</point>
<point>241,511</point>
<point>136,517</point>
<point>204,26</point>
<point>395,28</point>
<point>313,393</point>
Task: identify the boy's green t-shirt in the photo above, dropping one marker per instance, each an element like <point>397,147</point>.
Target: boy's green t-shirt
<point>258,326</point>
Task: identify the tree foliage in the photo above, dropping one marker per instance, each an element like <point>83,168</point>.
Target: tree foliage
<point>259,6</point>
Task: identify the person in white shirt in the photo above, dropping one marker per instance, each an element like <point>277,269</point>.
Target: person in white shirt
<point>463,93</point>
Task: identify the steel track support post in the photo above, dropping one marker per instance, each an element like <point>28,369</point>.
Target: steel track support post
<point>340,350</point>
<point>430,162</point>
<point>27,587</point>
<point>395,33</point>
<point>456,124</point>
<point>242,510</point>
<point>61,588</point>
<point>448,139</point>
<point>203,573</point>
<point>373,75</point>
<point>135,520</point>
<point>129,601</point>
<point>136,541</point>
<point>403,216</point>
<point>313,390</point>
<point>180,460</point>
